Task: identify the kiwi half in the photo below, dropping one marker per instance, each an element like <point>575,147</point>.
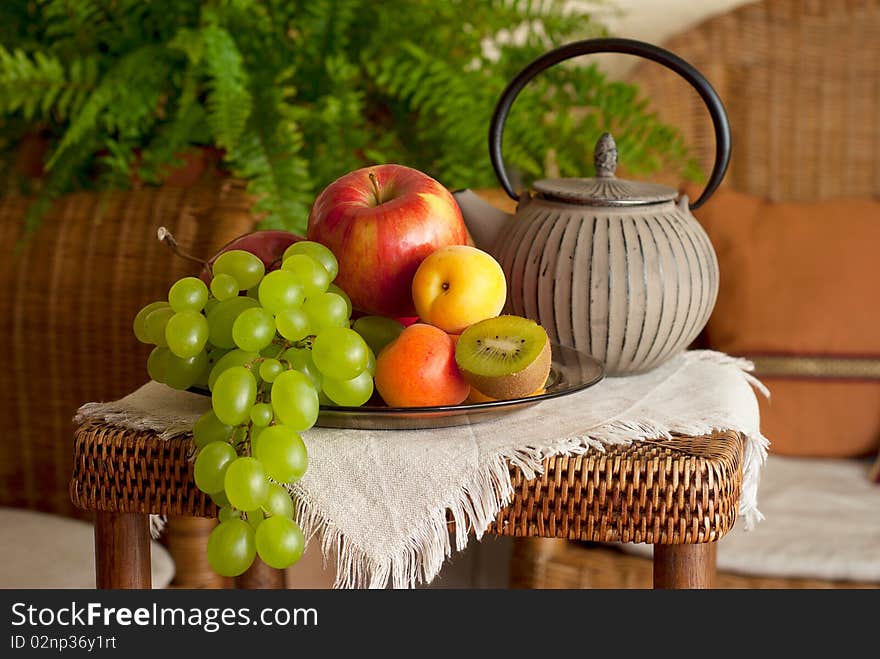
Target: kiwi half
<point>504,357</point>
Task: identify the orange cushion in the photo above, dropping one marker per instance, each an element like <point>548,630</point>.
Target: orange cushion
<point>802,279</point>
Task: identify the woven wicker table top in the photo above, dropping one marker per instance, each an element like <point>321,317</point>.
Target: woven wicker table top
<point>679,491</point>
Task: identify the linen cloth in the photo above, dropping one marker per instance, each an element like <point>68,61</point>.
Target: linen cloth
<point>378,500</point>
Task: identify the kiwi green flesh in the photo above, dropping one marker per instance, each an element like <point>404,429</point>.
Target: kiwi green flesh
<point>505,357</point>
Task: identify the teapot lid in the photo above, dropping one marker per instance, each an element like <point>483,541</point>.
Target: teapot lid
<point>604,189</point>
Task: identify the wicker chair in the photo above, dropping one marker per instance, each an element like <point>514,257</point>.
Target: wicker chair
<point>801,82</point>
<point>72,288</point>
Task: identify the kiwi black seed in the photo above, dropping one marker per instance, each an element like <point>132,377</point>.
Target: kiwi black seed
<point>504,357</point>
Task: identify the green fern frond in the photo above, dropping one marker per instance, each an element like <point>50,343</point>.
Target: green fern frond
<point>40,84</point>
<point>135,69</point>
<point>229,101</point>
<point>268,156</point>
<point>298,92</point>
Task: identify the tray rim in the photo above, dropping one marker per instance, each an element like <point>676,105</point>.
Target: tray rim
<point>463,408</point>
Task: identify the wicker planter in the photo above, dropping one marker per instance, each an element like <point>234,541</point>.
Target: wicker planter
<point>72,289</point>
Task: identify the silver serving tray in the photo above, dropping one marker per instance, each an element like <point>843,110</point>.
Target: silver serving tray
<point>570,371</point>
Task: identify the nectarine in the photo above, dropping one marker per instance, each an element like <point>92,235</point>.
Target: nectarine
<point>418,369</point>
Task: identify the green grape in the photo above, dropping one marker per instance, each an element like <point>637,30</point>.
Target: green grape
<point>340,353</point>
<point>243,266</point>
<point>239,434</point>
<point>228,514</point>
<point>311,274</point>
<point>280,290</point>
<point>222,317</point>
<point>188,294</point>
<point>186,333</point>
<point>139,326</point>
<point>234,358</point>
<point>270,369</point>
<point>245,483</point>
<point>318,252</point>
<point>254,294</point>
<point>255,517</point>
<point>184,372</point>
<point>233,396</point>
<point>255,433</point>
<point>295,400</point>
<point>210,304</point>
<point>371,364</point>
<point>301,360</point>
<point>220,499</point>
<point>278,502</point>
<point>231,548</point>
<point>261,414</point>
<point>351,393</point>
<point>208,428</point>
<point>272,351</point>
<point>292,324</point>
<point>224,287</point>
<point>154,325</point>
<point>214,355</point>
<point>283,453</point>
<point>324,400</point>
<point>157,363</point>
<point>254,329</point>
<point>280,542</point>
<point>377,331</point>
<point>324,311</point>
<point>211,464</point>
<point>333,288</point>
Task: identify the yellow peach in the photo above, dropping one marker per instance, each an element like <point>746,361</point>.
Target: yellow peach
<point>457,286</point>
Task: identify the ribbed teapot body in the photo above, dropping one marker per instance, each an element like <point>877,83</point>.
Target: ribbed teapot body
<point>631,287</point>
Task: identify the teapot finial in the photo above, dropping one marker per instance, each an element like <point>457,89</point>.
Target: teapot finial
<point>605,156</point>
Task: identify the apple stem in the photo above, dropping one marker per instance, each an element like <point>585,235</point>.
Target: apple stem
<point>376,192</point>
<point>168,238</point>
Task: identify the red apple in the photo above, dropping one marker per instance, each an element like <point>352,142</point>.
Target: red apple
<point>269,246</point>
<point>381,222</point>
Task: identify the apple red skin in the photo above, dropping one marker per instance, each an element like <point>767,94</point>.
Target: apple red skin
<point>379,246</point>
<point>269,246</point>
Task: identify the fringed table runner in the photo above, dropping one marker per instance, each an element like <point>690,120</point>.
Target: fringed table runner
<point>379,500</point>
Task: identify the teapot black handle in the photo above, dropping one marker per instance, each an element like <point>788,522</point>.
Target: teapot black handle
<point>614,45</point>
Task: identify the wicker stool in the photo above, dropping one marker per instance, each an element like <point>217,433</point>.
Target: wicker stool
<point>680,495</point>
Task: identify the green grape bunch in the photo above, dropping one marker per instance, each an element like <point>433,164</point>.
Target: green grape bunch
<point>271,348</point>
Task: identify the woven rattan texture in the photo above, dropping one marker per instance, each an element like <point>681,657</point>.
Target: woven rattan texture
<point>569,565</point>
<point>682,491</point>
<point>679,491</point>
<point>119,470</point>
<point>801,83</point>
<point>71,290</point>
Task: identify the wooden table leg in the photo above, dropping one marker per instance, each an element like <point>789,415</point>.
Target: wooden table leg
<point>186,539</point>
<point>122,550</point>
<point>260,576</point>
<point>684,566</point>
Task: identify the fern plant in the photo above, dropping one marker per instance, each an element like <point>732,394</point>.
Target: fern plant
<point>297,92</point>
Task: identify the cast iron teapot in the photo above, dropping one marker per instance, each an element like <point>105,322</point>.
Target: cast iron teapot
<point>618,269</point>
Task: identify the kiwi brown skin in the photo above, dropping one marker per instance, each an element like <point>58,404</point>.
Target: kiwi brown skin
<point>514,385</point>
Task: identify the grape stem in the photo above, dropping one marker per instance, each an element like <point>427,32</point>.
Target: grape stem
<point>165,236</point>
